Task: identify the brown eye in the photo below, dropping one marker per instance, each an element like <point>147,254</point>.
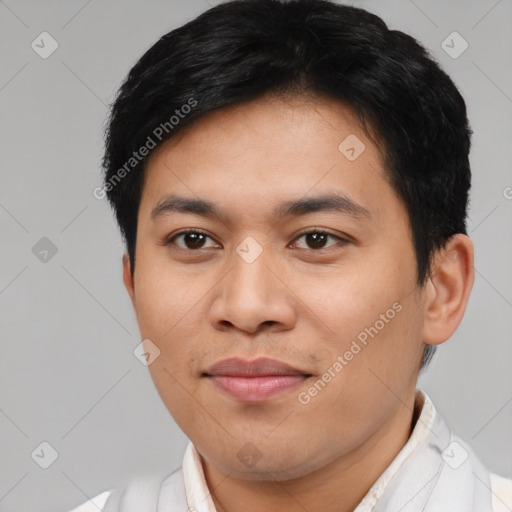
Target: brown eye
<point>194,240</point>
<point>317,240</point>
<point>191,240</point>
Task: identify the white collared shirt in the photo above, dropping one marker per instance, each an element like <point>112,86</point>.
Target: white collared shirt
<point>188,486</point>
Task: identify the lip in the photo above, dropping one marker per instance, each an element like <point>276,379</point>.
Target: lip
<point>261,367</point>
<point>254,381</point>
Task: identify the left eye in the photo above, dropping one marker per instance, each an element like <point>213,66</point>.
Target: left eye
<point>317,239</point>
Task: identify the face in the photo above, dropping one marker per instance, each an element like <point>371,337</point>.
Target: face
<point>296,249</point>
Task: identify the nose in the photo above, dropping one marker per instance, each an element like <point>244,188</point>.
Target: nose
<point>252,297</point>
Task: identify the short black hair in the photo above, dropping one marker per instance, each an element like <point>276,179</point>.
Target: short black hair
<point>245,49</point>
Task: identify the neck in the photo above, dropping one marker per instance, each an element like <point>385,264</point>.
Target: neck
<point>337,487</point>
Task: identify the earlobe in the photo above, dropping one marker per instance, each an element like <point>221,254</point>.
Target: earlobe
<point>128,277</point>
<point>448,289</point>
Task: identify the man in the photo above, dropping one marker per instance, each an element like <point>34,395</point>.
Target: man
<point>291,182</point>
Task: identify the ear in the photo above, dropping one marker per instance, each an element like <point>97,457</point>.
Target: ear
<point>448,289</point>
<point>128,277</point>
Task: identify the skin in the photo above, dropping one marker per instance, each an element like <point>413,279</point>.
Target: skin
<point>297,302</point>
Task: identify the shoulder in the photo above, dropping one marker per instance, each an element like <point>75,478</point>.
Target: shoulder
<point>94,504</point>
<point>501,493</point>
<point>143,492</point>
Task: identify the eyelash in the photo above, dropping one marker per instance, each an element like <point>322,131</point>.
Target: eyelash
<point>320,231</point>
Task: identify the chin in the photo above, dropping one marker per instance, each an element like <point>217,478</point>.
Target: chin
<point>276,466</point>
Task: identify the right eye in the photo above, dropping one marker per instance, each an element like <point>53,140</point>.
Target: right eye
<point>192,239</point>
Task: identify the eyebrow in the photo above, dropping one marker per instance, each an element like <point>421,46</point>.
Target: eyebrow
<point>328,202</point>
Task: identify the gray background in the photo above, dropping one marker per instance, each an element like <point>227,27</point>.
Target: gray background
<point>68,375</point>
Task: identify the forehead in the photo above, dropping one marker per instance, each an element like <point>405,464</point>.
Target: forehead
<point>267,149</point>
<point>278,122</point>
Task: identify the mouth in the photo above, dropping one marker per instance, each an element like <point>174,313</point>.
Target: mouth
<point>254,381</point>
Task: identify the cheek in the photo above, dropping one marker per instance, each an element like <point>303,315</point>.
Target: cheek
<point>372,316</point>
<point>349,300</point>
<point>169,309</point>
<point>176,390</point>
<point>166,297</point>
